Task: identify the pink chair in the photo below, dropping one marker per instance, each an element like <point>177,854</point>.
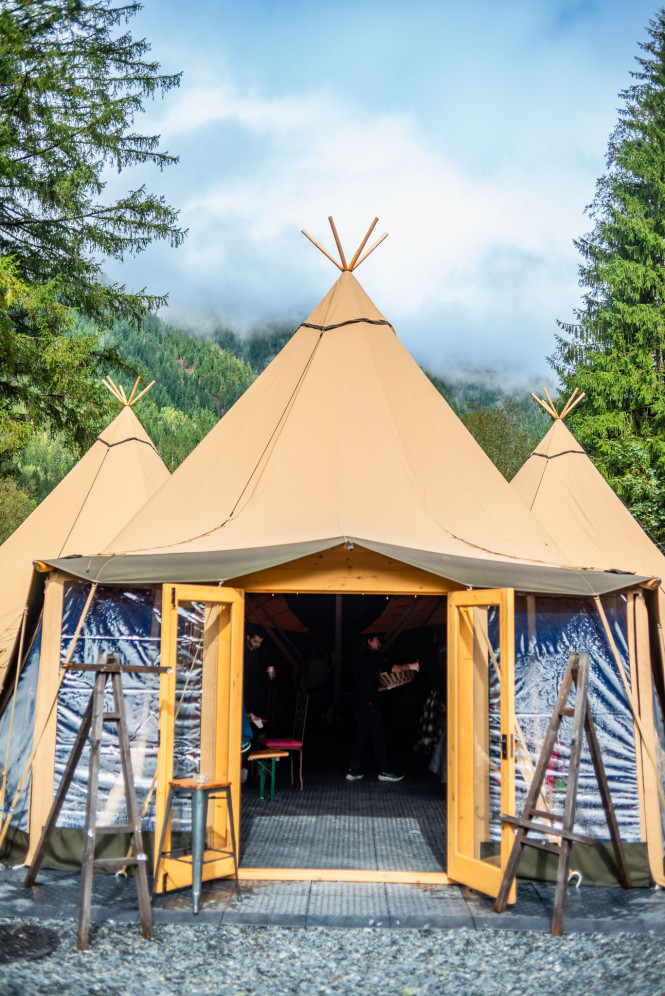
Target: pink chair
<point>295,744</point>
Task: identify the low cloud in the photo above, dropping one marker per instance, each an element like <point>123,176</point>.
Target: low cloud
<point>476,266</point>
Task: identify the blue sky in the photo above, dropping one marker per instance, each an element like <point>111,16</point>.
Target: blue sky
<point>475,133</point>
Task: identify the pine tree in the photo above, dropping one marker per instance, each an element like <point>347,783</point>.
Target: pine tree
<point>72,81</point>
<point>71,86</point>
<point>615,350</point>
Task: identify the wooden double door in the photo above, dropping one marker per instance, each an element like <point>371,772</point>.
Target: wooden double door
<point>201,716</point>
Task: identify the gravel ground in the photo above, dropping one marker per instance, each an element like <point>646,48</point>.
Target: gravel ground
<point>243,961</point>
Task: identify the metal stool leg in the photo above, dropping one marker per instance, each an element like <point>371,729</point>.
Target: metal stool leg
<point>272,781</point>
<point>229,805</point>
<point>199,814</point>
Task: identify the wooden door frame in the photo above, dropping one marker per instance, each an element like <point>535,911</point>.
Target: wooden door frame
<point>222,709</point>
<point>463,866</point>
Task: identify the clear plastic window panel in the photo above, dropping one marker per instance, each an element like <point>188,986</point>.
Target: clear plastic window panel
<point>20,743</point>
<point>189,676</point>
<point>127,623</point>
<point>488,710</point>
<point>547,630</point>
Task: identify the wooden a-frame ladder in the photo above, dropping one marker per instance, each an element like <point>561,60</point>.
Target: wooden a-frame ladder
<point>108,665</point>
<point>577,674</point>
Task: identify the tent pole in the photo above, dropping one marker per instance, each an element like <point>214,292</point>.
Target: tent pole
<point>362,245</point>
<point>337,691</point>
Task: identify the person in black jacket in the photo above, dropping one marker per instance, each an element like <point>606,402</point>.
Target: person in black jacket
<point>369,723</point>
<point>256,678</point>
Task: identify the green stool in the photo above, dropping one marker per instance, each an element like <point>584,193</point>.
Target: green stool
<point>201,793</point>
<point>262,757</point>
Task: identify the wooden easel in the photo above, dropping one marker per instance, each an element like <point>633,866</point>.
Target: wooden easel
<point>577,674</point>
<point>92,723</point>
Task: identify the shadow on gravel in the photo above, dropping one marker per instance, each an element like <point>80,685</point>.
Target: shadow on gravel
<point>26,942</point>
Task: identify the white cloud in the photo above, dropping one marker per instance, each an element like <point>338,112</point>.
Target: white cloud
<point>491,253</point>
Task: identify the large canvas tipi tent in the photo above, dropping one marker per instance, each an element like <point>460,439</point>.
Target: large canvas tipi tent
<point>107,486</point>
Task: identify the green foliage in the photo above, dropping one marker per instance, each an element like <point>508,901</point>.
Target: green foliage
<point>506,431</point>
<point>615,350</point>
<point>264,343</point>
<point>15,506</point>
<point>507,426</point>
<point>196,382</point>
<point>43,463</point>
<point>192,374</point>
<point>71,84</point>
<point>260,346</point>
<point>72,81</point>
<point>174,433</point>
<point>46,369</point>
<point>642,489</point>
<point>445,389</point>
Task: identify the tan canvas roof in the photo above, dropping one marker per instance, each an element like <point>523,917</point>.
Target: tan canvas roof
<point>117,475</point>
<point>563,489</point>
<point>342,436</point>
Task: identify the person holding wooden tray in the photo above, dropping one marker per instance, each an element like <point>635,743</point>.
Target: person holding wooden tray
<point>368,666</point>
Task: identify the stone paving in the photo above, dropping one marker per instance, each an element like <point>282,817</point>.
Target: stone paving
<point>337,904</point>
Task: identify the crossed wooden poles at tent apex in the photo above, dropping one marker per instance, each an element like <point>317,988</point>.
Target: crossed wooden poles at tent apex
<point>568,407</point>
<point>119,392</point>
<point>357,259</point>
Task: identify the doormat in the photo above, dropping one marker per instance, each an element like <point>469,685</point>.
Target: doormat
<point>327,841</point>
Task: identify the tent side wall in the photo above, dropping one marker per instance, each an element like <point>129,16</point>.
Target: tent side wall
<point>547,631</point>
<point>80,621</point>
<point>547,628</point>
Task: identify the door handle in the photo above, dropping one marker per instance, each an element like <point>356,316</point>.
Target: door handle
<point>504,746</point>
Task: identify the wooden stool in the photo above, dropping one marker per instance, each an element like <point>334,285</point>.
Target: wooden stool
<point>201,792</point>
<point>262,757</point>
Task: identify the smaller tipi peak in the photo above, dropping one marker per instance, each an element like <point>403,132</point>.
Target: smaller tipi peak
<point>358,257</point>
<point>549,407</point>
<point>119,394</point>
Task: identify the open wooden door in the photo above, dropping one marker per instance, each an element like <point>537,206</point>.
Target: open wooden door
<point>199,716</point>
<point>481,746</point>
